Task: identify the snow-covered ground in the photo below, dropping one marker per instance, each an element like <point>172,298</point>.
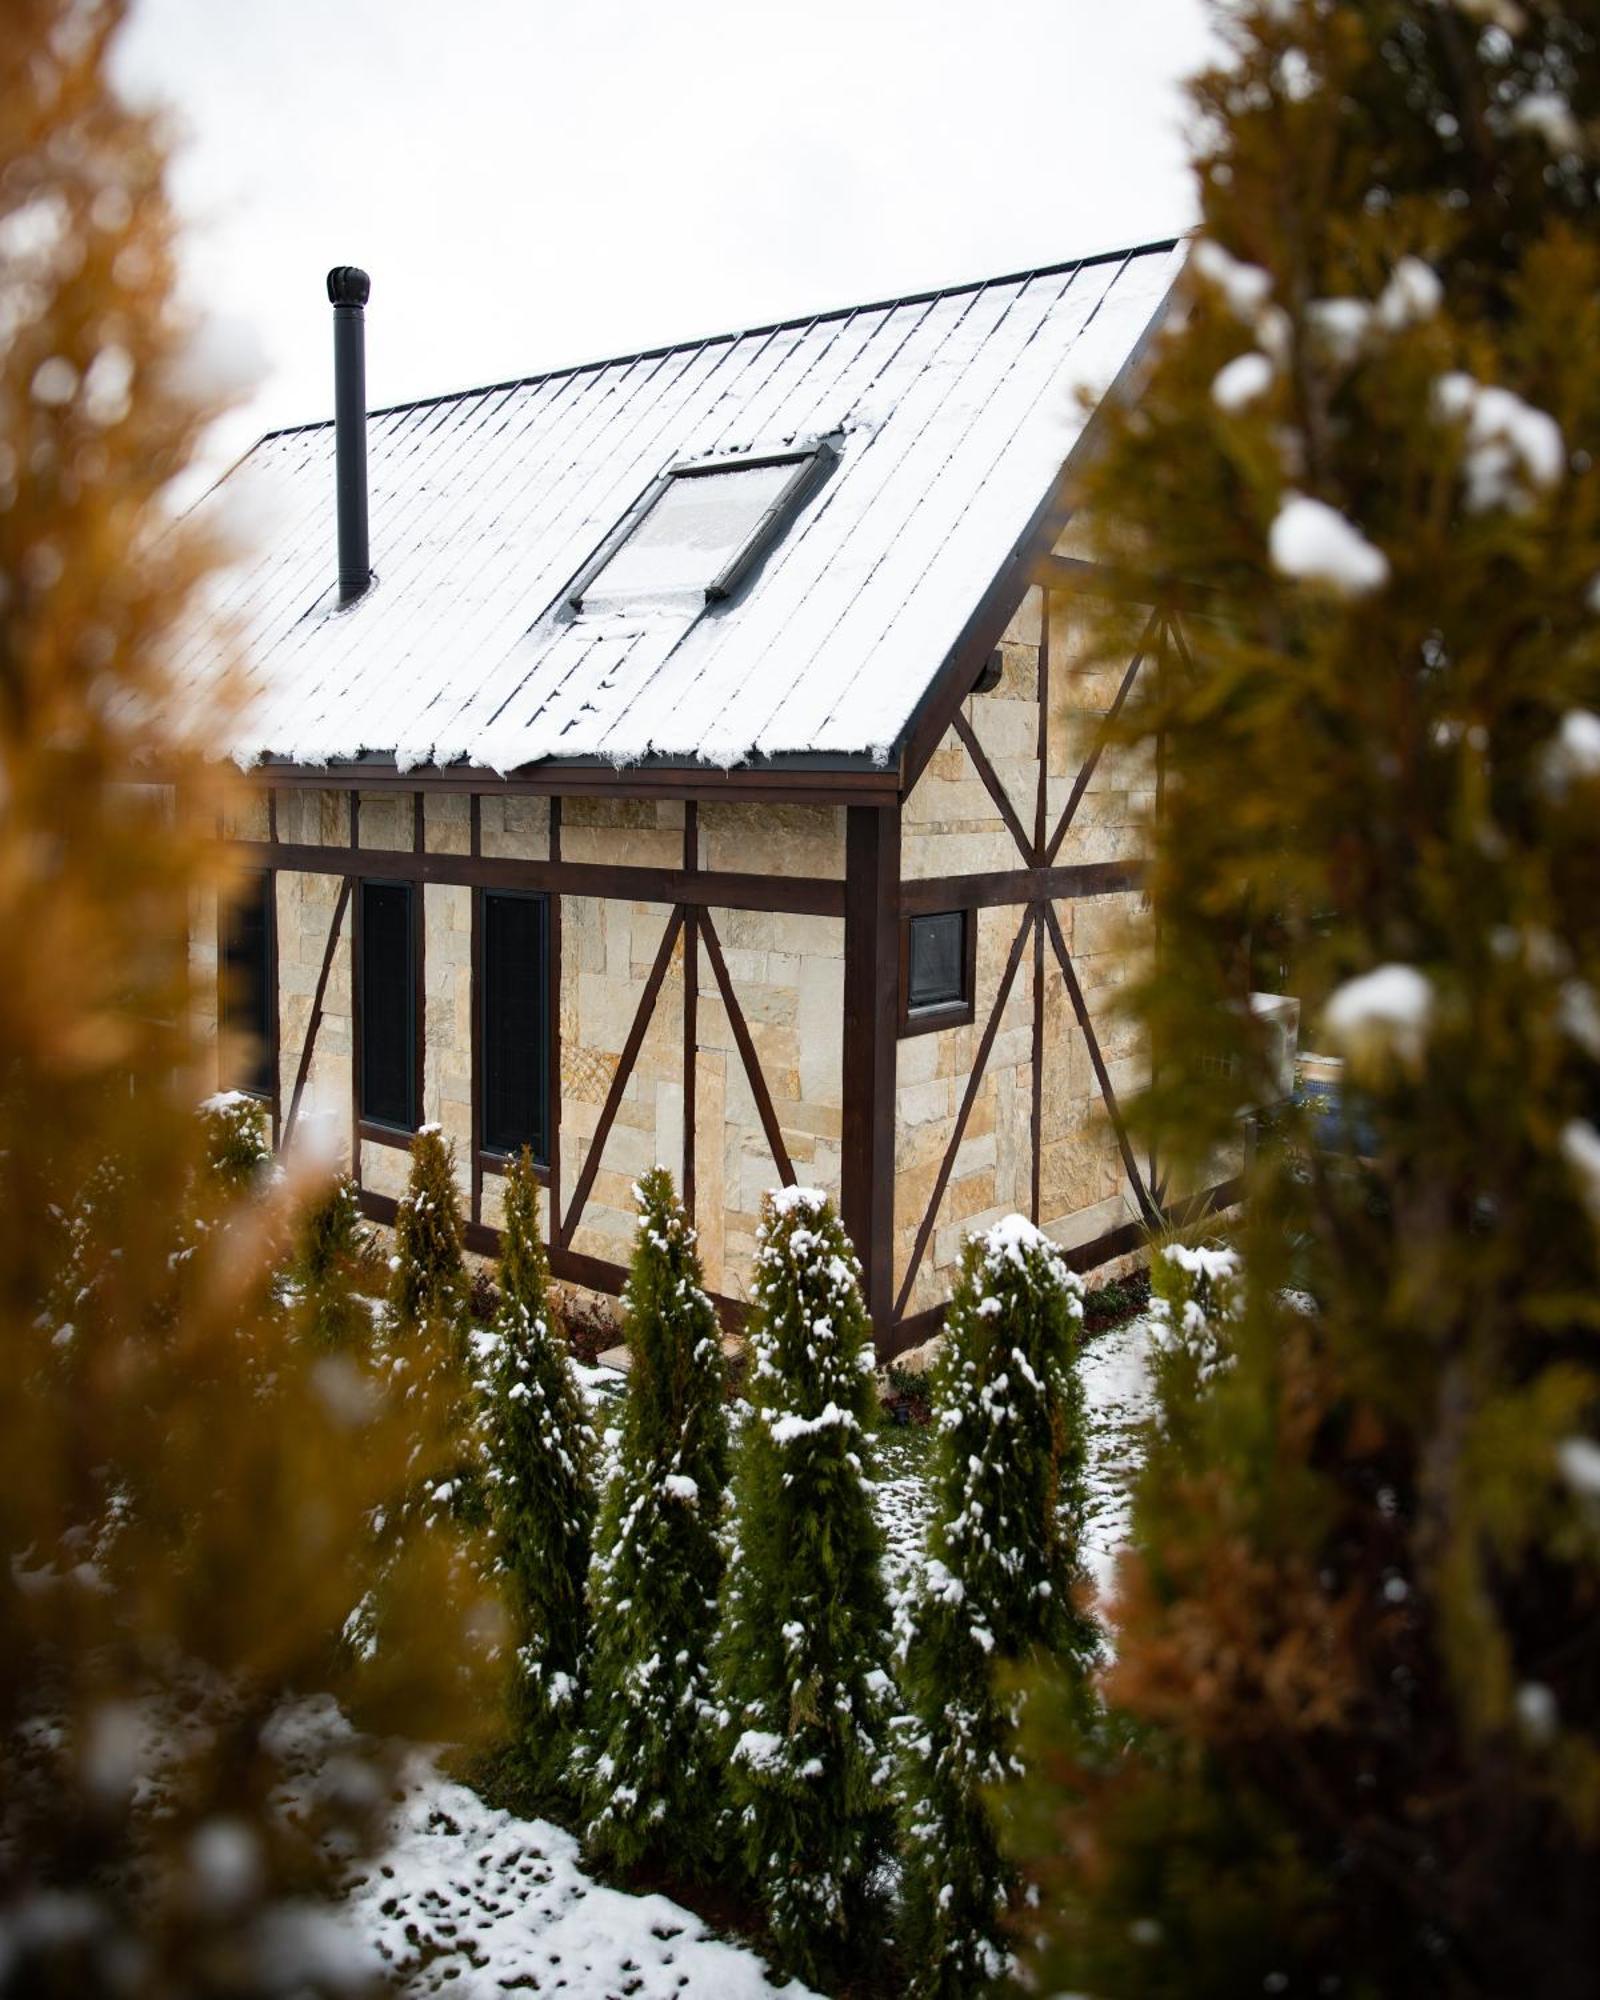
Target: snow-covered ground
<point>472,1901</point>
<point>1118,1391</point>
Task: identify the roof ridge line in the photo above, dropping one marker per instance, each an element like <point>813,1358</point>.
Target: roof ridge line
<point>925,296</point>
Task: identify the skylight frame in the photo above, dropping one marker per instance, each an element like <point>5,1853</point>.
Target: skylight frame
<point>812,463</point>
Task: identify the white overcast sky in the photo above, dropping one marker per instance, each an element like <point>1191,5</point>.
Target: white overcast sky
<point>532,183</point>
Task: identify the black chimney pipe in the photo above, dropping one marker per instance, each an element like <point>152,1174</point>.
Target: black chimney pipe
<point>348,292</point>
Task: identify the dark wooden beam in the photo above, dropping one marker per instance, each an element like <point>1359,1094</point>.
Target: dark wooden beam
<point>619,1082</point>
<point>352,872</point>
<point>1092,579</point>
<point>475,1016</point>
<point>1086,770</point>
<point>1102,1074</point>
<point>1019,885</point>
<point>1119,1242</point>
<point>572,1267</point>
<point>555,1094</point>
<point>802,785</point>
<point>691,1005</point>
<point>748,1056</point>
<point>993,785</point>
<point>811,896</point>
<point>1036,1107</point>
<point>871,1005</point>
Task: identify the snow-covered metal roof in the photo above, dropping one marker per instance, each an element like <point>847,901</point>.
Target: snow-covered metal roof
<point>952,413</point>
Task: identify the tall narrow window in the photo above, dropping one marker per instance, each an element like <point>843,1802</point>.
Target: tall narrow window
<point>246,997</point>
<point>388,996</point>
<point>515,1023</point>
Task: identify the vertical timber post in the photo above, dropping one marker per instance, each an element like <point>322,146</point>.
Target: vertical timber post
<point>691,1003</point>
<point>871,977</point>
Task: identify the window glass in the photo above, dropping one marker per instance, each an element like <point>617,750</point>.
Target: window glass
<point>693,532</point>
<point>247,985</point>
<point>388,1004</point>
<point>515,1025</point>
<point>938,960</point>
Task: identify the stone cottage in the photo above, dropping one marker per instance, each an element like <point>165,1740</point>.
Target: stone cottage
<point>698,764</point>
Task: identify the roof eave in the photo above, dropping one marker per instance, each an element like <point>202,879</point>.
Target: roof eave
<point>809,776</point>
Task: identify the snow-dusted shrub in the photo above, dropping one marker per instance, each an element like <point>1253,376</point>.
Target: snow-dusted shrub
<point>540,1476</point>
<point>999,1584</point>
<point>237,1148</point>
<point>1196,1295</point>
<point>428,1273</point>
<point>333,1249</point>
<point>647,1758</point>
<point>805,1644</point>
<point>429,1334</point>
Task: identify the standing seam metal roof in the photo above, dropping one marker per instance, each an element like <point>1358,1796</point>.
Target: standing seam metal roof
<point>955,411</point>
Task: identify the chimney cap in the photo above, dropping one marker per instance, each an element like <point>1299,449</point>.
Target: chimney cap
<point>348,286</point>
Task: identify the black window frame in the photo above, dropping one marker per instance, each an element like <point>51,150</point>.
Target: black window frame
<point>492,1155</point>
<point>228,1011</point>
<point>384,1130</point>
<point>932,1016</point>
<point>812,463</point>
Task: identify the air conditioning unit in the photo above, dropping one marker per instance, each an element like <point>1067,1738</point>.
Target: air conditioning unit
<point>1280,1015</point>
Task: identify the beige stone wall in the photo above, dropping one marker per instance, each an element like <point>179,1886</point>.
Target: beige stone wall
<point>787,975</point>
<point>305,909</point>
<point>773,839</point>
<point>951,826</point>
<point>1119,801</point>
<point>635,833</point>
<point>607,950</point>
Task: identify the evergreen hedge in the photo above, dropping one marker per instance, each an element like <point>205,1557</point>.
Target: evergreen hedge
<point>1357,1656</point>
<point>430,1326</point>
<point>647,1759</point>
<point>806,1642</point>
<point>541,1473</point>
<point>332,1252</point>
<point>1002,1583</point>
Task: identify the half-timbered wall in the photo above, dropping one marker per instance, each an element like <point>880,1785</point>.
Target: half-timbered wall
<point>955,824</point>
<point>725,982</point>
<point>784,971</point>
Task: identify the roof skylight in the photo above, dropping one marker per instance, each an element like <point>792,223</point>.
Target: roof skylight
<point>701,529</point>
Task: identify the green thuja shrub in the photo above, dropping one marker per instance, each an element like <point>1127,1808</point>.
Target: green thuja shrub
<point>428,1273</point>
<point>238,1151</point>
<point>1001,1584</point>
<point>1196,1297</point>
<point>540,1475</point>
<point>333,1256</point>
<point>430,1326</point>
<point>806,1643</point>
<point>647,1756</point>
<point>1357,1657</point>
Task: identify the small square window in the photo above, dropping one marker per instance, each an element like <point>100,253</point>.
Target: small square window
<point>701,530</point>
<point>937,970</point>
